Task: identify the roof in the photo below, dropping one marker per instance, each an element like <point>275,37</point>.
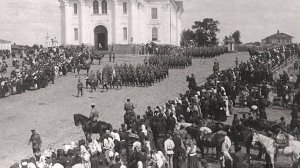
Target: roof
<point>278,35</point>
<point>4,41</point>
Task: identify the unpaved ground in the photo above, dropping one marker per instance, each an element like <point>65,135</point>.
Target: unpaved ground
<point>50,110</point>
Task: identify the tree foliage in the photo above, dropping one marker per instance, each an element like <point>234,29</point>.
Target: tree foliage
<point>206,32</point>
<point>203,33</point>
<point>186,37</point>
<point>225,40</point>
<point>236,35</point>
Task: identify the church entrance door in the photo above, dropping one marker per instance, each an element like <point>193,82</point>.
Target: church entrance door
<point>100,35</point>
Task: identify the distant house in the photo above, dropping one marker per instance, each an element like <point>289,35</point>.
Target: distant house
<point>5,45</point>
<point>277,39</point>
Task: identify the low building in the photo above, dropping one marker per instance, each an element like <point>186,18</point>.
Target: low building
<point>277,39</point>
<point>5,45</point>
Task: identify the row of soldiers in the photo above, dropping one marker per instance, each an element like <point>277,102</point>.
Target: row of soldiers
<point>172,61</point>
<point>136,75</point>
<point>206,52</point>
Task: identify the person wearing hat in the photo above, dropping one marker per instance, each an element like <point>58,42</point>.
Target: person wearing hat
<point>128,106</point>
<point>94,114</point>
<point>79,88</point>
<point>36,142</point>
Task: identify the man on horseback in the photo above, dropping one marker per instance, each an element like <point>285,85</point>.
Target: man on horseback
<point>128,107</point>
<point>94,115</point>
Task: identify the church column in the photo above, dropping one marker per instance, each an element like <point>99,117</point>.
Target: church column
<point>133,21</point>
<point>82,21</point>
<point>65,15</point>
<point>116,23</point>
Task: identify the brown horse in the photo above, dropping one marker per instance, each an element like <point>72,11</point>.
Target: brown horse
<point>98,128</point>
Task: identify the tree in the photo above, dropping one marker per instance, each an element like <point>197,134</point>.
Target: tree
<point>35,46</point>
<point>236,36</point>
<point>205,32</point>
<point>186,37</point>
<point>225,40</point>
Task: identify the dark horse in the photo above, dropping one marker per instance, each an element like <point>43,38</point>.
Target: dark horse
<point>99,128</point>
<point>212,140</point>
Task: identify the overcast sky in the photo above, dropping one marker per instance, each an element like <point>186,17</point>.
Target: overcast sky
<point>28,21</point>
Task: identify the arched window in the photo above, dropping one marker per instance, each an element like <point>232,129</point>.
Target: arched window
<point>104,6</point>
<point>154,34</point>
<point>96,7</point>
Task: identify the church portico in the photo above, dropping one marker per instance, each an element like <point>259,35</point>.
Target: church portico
<point>100,38</point>
<point>126,22</point>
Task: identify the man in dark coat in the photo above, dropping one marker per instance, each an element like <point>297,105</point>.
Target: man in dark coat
<point>170,123</point>
<point>179,151</point>
<point>179,109</point>
<point>128,107</point>
<point>262,104</point>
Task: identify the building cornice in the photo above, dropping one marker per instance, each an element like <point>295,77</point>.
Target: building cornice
<point>63,2</point>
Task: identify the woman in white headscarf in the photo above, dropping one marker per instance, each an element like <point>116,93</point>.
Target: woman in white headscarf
<point>85,155</point>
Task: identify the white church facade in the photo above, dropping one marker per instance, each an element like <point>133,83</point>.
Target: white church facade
<point>102,23</point>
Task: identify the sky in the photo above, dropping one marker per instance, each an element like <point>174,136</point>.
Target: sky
<point>28,21</point>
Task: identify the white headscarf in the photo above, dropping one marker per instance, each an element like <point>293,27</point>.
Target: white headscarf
<point>160,158</point>
<point>115,136</point>
<point>140,164</point>
<point>136,144</point>
<point>85,155</point>
<point>144,130</point>
<point>57,165</point>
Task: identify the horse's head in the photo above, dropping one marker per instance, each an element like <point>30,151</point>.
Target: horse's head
<point>79,119</point>
<point>76,119</point>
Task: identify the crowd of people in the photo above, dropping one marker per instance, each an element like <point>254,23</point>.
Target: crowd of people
<point>35,69</point>
<point>159,138</point>
<point>5,54</point>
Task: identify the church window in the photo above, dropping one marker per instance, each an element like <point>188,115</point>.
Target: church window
<point>76,34</point>
<point>104,7</point>
<point>75,8</point>
<point>125,33</point>
<point>154,34</point>
<point>124,8</point>
<point>154,13</point>
<point>96,7</point>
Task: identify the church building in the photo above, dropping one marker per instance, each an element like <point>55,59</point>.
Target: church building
<point>103,23</point>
